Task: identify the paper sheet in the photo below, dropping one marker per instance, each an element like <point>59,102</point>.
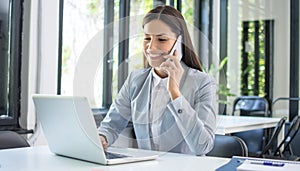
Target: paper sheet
<point>268,165</point>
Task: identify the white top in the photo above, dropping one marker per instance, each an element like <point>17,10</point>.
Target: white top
<point>159,100</point>
<point>41,159</point>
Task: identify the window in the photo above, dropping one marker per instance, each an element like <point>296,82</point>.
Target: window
<point>10,65</point>
<point>256,41</point>
<point>256,57</point>
<point>82,21</point>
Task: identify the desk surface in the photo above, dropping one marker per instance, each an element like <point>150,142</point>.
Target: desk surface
<point>230,124</point>
<point>40,158</point>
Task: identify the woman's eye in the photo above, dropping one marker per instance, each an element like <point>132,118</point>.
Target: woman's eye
<point>147,38</point>
<point>162,40</point>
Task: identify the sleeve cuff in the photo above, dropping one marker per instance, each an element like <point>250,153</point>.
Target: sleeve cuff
<point>177,103</point>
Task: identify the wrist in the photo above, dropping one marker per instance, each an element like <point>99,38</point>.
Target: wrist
<point>174,94</point>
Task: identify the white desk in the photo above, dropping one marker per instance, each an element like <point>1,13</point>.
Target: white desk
<point>41,159</point>
<point>231,124</point>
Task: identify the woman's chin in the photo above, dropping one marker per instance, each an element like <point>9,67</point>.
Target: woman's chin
<point>155,63</point>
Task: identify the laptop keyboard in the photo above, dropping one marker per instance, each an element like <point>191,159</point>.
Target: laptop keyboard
<point>114,155</point>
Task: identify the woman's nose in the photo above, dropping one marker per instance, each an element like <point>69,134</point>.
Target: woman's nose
<point>152,45</point>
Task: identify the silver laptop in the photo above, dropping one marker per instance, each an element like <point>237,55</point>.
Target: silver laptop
<point>70,130</point>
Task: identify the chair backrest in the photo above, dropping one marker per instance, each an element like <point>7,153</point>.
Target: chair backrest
<point>254,139</point>
<point>290,135</point>
<point>228,146</point>
<point>287,99</point>
<point>274,137</point>
<point>251,106</point>
<point>10,139</point>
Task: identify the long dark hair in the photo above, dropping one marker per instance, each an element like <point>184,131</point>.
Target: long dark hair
<point>175,20</point>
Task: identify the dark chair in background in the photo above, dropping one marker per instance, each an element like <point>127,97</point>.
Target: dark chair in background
<point>294,145</point>
<point>252,106</point>
<point>292,131</point>
<point>10,139</point>
<point>228,146</point>
<point>268,150</point>
<point>255,140</point>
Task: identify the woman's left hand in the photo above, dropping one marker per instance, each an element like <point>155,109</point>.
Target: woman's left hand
<point>175,71</point>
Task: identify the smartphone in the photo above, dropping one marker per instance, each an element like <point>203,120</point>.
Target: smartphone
<point>178,47</point>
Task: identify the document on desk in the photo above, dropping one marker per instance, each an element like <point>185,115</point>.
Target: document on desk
<point>238,163</point>
<point>252,164</point>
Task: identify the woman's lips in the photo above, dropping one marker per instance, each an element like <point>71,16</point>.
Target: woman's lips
<point>155,56</point>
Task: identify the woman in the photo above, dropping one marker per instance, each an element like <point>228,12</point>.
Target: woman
<point>172,103</point>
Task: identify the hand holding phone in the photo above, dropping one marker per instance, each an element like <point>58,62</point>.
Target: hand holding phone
<point>174,69</point>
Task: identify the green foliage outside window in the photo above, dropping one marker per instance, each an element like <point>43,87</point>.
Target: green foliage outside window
<point>250,70</point>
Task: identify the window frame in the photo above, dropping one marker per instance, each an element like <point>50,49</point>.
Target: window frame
<point>14,69</point>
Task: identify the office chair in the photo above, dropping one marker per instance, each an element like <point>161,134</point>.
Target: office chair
<point>267,150</point>
<point>288,138</point>
<point>10,139</point>
<point>252,106</point>
<point>294,145</point>
<point>228,146</point>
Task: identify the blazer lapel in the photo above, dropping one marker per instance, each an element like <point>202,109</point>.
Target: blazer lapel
<point>140,113</point>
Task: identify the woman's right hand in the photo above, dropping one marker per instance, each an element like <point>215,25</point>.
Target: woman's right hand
<point>103,142</point>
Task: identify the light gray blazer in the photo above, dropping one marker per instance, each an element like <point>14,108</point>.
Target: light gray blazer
<point>188,123</point>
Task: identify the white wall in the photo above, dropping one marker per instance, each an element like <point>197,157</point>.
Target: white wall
<point>40,49</point>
